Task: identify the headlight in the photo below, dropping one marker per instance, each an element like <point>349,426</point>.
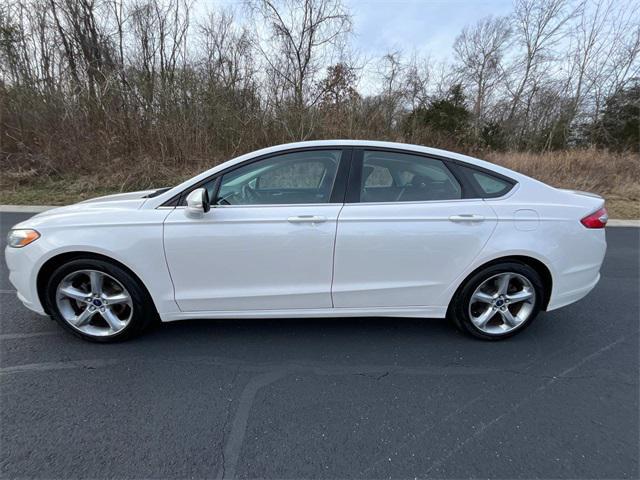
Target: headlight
<point>21,237</point>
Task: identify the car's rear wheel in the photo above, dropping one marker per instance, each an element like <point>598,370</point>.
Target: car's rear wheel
<point>498,301</point>
<point>98,301</point>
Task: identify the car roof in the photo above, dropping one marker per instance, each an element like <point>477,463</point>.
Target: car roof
<point>361,144</point>
<point>338,143</point>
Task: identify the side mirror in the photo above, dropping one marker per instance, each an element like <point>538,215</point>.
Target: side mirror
<point>198,203</point>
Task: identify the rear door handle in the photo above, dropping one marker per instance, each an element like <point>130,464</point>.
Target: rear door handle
<point>465,217</point>
<point>307,219</point>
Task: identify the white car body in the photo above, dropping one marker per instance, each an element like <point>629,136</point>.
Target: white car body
<point>358,259</point>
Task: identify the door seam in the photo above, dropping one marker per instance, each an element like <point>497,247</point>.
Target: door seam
<point>166,260</point>
<point>333,259</point>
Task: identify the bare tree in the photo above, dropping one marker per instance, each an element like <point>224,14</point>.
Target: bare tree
<point>618,60</point>
<point>133,81</point>
<point>479,50</point>
<point>537,25</point>
<point>303,39</point>
<point>417,79</point>
<point>227,50</point>
<point>158,37</point>
<point>391,71</point>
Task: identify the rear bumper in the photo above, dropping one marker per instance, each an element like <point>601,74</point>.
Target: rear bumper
<point>577,269</point>
<point>563,299</point>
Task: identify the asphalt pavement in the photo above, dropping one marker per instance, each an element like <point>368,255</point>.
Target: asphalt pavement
<point>329,398</point>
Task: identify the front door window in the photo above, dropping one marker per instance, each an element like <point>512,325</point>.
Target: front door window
<point>292,178</point>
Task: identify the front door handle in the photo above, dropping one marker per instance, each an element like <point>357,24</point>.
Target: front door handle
<point>307,219</point>
<point>465,217</point>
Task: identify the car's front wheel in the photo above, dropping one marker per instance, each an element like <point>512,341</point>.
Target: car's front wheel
<point>98,300</point>
<point>498,301</point>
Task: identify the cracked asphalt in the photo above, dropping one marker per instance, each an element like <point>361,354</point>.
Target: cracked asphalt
<point>337,398</point>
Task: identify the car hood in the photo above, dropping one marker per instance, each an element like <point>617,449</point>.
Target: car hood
<point>140,195</point>
<point>119,201</point>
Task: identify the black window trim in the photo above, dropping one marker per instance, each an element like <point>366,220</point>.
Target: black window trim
<point>470,189</point>
<point>338,191</point>
<point>346,187</point>
<point>463,170</point>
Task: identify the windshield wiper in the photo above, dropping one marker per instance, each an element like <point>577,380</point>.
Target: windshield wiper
<point>160,191</point>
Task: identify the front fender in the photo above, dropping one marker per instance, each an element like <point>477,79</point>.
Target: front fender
<point>136,243</point>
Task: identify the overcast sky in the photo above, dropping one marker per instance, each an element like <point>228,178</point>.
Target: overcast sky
<point>428,27</point>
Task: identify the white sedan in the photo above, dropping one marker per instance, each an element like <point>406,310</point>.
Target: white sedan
<point>316,229</point>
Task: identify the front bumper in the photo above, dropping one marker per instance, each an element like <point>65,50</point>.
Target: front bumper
<point>22,275</point>
<point>33,306</point>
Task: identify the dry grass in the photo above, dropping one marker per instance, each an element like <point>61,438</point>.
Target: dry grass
<point>614,176</point>
<point>33,186</point>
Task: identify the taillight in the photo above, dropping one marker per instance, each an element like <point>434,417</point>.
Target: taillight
<point>596,219</point>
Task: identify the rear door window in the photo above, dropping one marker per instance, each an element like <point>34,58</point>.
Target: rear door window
<point>401,177</point>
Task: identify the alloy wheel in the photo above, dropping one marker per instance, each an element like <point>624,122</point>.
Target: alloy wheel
<point>94,303</point>
<point>502,303</point>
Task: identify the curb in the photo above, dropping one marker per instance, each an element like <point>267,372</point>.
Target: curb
<point>41,208</point>
<point>25,208</point>
<point>623,223</point>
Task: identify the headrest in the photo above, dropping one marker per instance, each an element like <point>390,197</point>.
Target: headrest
<point>366,172</point>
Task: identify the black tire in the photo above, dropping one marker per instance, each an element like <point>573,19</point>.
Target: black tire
<point>144,312</point>
<point>458,311</point>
